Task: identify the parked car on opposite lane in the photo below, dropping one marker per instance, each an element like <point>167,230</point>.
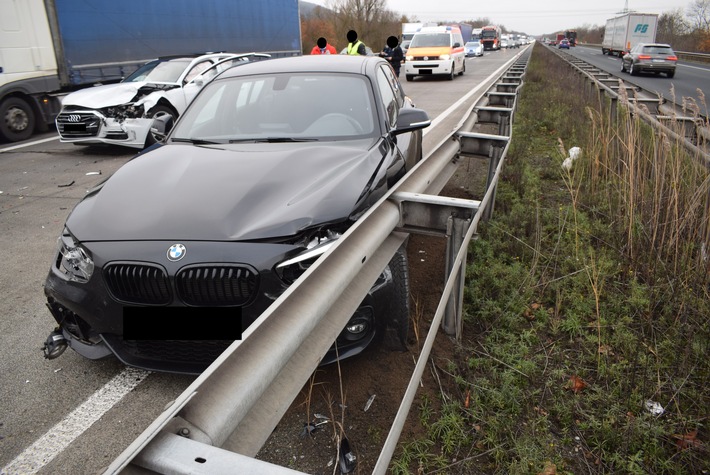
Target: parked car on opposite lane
<point>474,48</point>
<point>650,58</point>
<point>267,167</point>
<point>122,113</point>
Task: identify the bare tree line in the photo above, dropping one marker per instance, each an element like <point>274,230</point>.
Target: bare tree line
<point>685,30</point>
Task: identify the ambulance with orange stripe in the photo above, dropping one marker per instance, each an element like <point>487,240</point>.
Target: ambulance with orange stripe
<point>436,50</point>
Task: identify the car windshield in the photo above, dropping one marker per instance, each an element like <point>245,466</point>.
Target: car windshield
<point>159,71</point>
<point>426,40</point>
<point>285,107</point>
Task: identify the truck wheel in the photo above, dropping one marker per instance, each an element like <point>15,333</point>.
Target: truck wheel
<point>155,112</point>
<point>17,119</point>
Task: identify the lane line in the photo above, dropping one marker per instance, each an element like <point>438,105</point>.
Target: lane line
<point>28,144</point>
<point>74,424</point>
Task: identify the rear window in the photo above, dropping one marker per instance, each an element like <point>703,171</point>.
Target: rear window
<point>657,50</point>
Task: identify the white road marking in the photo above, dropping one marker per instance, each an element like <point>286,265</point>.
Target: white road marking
<point>28,144</point>
<point>73,425</point>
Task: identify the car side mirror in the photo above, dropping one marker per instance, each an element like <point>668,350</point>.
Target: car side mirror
<point>457,45</point>
<point>410,120</point>
<point>161,126</point>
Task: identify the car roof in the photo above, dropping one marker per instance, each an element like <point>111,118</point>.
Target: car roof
<point>315,63</point>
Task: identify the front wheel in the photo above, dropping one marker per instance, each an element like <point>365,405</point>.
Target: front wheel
<point>155,112</point>
<point>409,77</point>
<point>632,70</point>
<point>623,67</point>
<point>17,119</point>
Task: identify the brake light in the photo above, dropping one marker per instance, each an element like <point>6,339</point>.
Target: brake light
<point>644,56</point>
<point>672,58</point>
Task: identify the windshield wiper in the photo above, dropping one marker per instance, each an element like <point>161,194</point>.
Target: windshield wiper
<point>195,141</point>
<point>273,140</point>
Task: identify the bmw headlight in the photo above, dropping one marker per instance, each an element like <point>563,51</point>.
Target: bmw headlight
<point>445,57</point>
<point>73,262</point>
<point>291,269</point>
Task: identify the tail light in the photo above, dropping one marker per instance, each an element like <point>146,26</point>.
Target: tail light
<point>644,56</point>
<point>672,58</point>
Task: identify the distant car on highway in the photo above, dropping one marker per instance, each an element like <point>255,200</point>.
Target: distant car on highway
<point>473,48</point>
<point>563,44</point>
<point>650,58</point>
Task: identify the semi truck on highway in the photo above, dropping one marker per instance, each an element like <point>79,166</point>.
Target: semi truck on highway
<point>626,31</point>
<point>49,48</point>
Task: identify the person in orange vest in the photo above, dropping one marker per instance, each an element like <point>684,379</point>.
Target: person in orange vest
<point>323,47</point>
<point>355,46</point>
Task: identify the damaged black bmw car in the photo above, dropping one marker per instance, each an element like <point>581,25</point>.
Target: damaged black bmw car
<point>271,162</point>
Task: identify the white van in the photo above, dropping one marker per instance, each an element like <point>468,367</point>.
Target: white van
<point>435,50</point>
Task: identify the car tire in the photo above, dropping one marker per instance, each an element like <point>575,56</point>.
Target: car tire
<point>623,67</point>
<point>155,112</point>
<point>670,74</point>
<point>451,75</point>
<point>17,119</point>
<point>399,305</point>
<point>463,69</point>
<point>409,77</point>
<point>632,70</point>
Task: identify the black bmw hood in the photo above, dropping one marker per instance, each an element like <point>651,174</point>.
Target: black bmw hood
<point>235,192</point>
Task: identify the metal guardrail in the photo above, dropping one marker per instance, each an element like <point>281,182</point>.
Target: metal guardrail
<point>226,415</point>
<point>692,132</point>
<point>683,55</point>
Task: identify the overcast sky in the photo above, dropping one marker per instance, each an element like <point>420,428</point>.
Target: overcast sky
<point>534,17</point>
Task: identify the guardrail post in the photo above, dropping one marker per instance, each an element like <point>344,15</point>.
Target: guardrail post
<point>452,323</point>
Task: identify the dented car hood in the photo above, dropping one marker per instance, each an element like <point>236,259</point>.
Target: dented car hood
<point>227,193</point>
<point>109,95</point>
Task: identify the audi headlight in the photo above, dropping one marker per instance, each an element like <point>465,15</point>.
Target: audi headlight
<point>445,57</point>
<point>73,261</point>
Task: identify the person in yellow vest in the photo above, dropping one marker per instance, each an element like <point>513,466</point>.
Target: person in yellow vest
<point>355,46</point>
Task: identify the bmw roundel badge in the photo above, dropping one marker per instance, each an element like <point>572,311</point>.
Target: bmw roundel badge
<point>176,252</point>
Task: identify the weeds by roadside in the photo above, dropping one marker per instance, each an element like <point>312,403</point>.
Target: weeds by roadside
<point>587,305</point>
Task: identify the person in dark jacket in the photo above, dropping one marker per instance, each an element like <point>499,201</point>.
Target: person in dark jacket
<point>393,54</point>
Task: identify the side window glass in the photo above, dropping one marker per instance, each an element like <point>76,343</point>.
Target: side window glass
<point>391,92</point>
<point>197,69</point>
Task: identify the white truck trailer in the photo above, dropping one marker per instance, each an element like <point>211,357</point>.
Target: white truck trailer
<point>626,31</point>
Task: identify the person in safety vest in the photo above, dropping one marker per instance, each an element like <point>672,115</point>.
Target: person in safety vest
<point>323,47</point>
<point>355,46</point>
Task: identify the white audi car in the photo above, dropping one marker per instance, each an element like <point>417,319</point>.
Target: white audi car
<point>122,113</point>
